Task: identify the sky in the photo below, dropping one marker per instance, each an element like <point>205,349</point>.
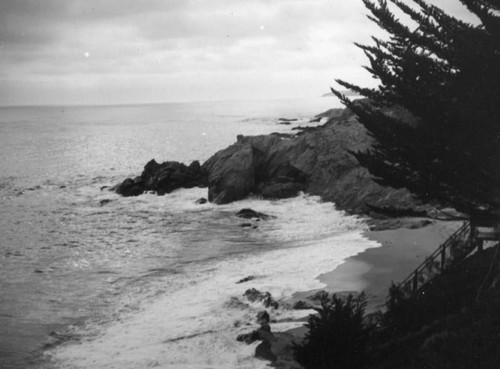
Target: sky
<point>129,51</point>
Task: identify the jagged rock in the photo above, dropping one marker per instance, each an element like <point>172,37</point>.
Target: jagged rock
<point>265,327</point>
<point>248,213</point>
<point>263,317</point>
<point>301,305</point>
<point>249,338</point>
<point>319,162</point>
<point>201,201</point>
<point>130,187</point>
<point>104,202</point>
<point>254,295</point>
<point>231,173</point>
<point>246,279</point>
<point>170,175</point>
<point>164,178</point>
<point>263,333</point>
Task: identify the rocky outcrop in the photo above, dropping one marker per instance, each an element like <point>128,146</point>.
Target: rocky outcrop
<point>327,115</point>
<point>319,162</point>
<point>247,213</point>
<point>254,164</point>
<point>163,178</point>
<point>276,347</point>
<point>265,298</point>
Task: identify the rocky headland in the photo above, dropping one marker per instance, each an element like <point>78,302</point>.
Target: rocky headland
<point>318,161</point>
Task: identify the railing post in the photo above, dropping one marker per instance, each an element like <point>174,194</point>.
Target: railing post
<point>415,282</point>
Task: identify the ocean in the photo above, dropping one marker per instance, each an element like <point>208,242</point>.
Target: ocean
<point>147,281</point>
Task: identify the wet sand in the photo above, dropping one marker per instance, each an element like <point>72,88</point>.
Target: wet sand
<point>372,271</point>
<point>401,251</point>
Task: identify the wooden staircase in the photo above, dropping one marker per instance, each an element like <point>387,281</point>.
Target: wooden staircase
<point>453,251</point>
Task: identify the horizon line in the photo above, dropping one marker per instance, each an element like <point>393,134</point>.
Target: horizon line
<point>74,105</point>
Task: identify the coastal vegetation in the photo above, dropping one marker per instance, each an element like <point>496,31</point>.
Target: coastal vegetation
<point>446,74</point>
<point>338,336</point>
<point>445,326</point>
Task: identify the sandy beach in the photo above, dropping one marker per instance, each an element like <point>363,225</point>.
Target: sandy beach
<point>372,271</point>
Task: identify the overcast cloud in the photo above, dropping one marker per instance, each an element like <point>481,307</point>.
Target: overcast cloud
<point>126,51</point>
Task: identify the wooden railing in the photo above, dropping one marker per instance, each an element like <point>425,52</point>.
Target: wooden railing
<point>452,251</point>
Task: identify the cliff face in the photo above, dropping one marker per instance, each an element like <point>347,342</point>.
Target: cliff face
<point>318,162</point>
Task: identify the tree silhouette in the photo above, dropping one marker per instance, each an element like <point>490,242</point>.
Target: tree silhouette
<point>446,73</point>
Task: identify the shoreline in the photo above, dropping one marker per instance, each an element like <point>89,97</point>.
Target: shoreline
<point>372,270</point>
<point>401,250</point>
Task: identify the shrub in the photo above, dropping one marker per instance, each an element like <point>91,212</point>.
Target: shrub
<point>338,335</point>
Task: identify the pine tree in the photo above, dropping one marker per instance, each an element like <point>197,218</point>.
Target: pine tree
<point>446,73</point>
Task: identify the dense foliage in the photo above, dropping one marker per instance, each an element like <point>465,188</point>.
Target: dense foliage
<point>337,337</point>
<point>446,73</point>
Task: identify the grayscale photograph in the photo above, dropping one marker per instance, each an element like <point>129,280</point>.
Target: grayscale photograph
<point>250,184</point>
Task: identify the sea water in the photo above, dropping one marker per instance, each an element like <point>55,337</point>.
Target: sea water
<point>147,281</point>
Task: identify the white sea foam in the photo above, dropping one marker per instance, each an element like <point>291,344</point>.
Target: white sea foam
<point>190,324</point>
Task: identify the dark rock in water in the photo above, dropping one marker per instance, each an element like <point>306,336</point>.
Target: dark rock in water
<point>62,186</point>
<point>254,295</point>
<point>246,225</point>
<point>301,305</point>
<point>104,187</point>
<point>263,333</point>
<point>171,175</point>
<point>201,201</point>
<point>249,338</point>
<point>104,202</point>
<point>247,213</point>
<point>130,187</point>
<point>265,328</point>
<point>246,279</point>
<point>164,178</point>
<point>287,120</point>
<point>263,317</point>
